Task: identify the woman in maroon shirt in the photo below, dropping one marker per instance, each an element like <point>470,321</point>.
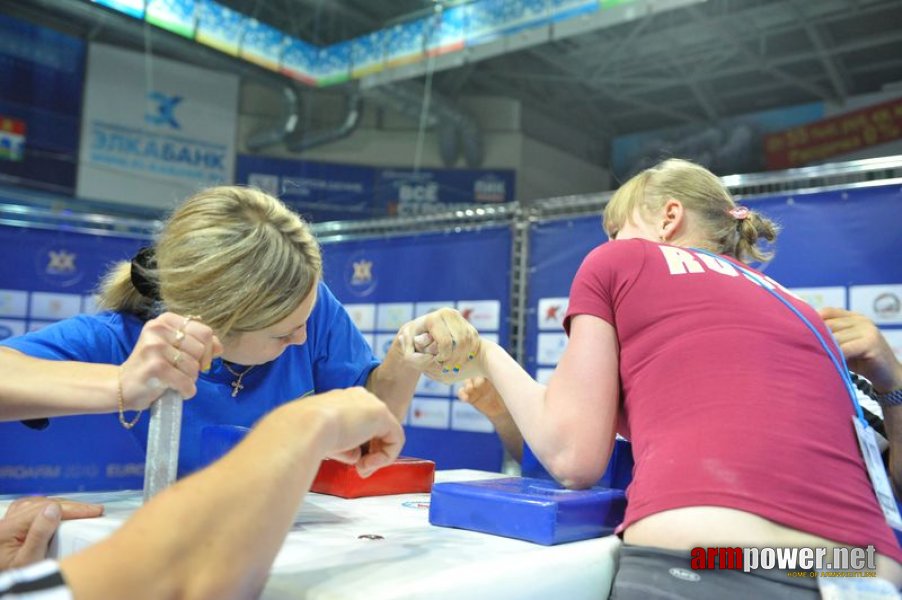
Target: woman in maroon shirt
<point>710,376</point>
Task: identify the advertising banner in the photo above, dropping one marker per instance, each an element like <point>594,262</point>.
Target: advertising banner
<point>405,42</point>
<point>177,16</point>
<point>154,131</point>
<point>299,61</point>
<point>220,27</point>
<point>367,54</point>
<point>333,64</point>
<point>262,45</point>
<point>849,132</point>
<point>408,192</point>
<point>318,191</point>
<point>330,191</point>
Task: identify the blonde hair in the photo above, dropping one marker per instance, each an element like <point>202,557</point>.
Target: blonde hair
<point>235,256</point>
<point>700,192</point>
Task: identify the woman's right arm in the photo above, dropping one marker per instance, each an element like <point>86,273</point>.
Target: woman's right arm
<point>570,424</point>
<point>168,354</point>
<point>33,388</point>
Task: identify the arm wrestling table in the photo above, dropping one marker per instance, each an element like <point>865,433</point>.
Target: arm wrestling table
<point>383,548</point>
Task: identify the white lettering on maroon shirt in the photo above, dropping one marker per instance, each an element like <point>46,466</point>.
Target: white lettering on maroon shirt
<point>680,261</point>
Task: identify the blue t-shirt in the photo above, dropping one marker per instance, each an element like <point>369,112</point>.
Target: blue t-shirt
<point>334,356</point>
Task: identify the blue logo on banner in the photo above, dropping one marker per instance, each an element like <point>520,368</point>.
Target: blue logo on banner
<point>361,280</point>
<point>162,109</point>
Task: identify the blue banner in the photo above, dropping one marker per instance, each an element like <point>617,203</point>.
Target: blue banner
<point>331,191</point>
<point>408,192</point>
<point>41,80</point>
<point>47,276</point>
<point>318,191</point>
<point>387,282</point>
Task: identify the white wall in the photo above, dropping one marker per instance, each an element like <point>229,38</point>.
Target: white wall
<point>546,172</point>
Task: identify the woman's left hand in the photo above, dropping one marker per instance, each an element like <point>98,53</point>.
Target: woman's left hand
<point>442,344</point>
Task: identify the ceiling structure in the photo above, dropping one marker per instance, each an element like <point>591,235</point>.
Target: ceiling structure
<point>694,64</point>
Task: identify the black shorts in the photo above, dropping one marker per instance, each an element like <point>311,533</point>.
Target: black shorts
<point>646,573</point>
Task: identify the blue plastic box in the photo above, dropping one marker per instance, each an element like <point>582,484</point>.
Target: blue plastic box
<point>525,508</point>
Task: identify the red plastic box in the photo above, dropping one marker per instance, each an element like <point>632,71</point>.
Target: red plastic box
<point>404,476</point>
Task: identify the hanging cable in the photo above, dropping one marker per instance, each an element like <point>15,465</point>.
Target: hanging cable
<point>427,98</point>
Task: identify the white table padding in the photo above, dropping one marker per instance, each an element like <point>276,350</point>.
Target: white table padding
<point>324,558</point>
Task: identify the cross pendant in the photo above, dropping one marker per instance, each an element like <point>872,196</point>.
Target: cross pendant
<point>236,387</point>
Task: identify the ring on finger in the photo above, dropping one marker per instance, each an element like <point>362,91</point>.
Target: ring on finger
<point>188,319</point>
<point>177,358</point>
<point>179,336</point>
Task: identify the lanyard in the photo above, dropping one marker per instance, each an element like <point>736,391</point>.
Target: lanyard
<point>838,363</point>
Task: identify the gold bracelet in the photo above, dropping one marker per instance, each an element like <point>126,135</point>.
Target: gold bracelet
<point>126,424</point>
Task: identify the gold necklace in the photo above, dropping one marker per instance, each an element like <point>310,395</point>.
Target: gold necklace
<point>236,385</point>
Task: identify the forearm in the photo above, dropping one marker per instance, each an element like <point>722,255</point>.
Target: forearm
<point>510,435</point>
<point>215,534</point>
<point>67,388</point>
<point>570,424</point>
<point>394,381</point>
<point>892,420</point>
<point>526,400</point>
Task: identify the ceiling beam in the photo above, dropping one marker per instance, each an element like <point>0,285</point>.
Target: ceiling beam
<point>727,33</point>
<point>827,61</point>
<point>743,69</point>
<point>589,87</point>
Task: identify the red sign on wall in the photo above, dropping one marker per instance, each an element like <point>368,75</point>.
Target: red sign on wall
<point>844,133</point>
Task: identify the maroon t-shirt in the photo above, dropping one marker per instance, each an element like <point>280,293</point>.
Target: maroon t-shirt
<point>728,398</point>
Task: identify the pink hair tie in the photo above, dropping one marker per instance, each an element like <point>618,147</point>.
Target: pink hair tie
<point>740,213</point>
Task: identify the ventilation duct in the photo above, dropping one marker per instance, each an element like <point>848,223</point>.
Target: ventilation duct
<point>319,138</point>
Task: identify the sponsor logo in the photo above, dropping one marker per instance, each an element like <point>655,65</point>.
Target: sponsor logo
<point>489,189</point>
<point>60,262</point>
<point>58,266</point>
<point>361,275</point>
<point>265,182</point>
<point>684,574</point>
<point>363,272</point>
<point>887,305</point>
<point>161,109</point>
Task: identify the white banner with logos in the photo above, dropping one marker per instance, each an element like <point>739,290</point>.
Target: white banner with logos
<point>154,131</point>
